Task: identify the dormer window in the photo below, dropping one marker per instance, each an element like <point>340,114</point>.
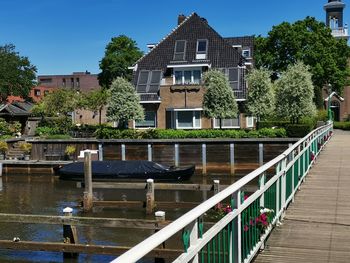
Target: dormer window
<point>246,52</point>
<point>180,50</point>
<point>202,48</point>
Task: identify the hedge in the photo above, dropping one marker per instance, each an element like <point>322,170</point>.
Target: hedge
<point>341,125</point>
<point>113,133</point>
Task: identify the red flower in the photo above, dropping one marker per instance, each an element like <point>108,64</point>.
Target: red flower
<point>245,228</point>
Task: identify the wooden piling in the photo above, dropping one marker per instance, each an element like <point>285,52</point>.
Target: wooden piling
<point>216,186</point>
<point>160,217</point>
<point>70,235</point>
<point>87,202</point>
<point>150,196</point>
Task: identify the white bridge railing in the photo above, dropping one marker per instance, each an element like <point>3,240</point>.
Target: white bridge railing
<point>248,220</point>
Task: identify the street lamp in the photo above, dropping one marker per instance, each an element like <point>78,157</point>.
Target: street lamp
<point>329,102</point>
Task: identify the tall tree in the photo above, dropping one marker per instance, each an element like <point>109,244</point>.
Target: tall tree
<point>219,101</point>
<point>120,54</point>
<point>294,93</point>
<point>95,100</point>
<point>123,103</point>
<point>260,101</point>
<point>309,41</point>
<point>17,74</point>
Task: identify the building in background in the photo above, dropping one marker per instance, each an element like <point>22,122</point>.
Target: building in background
<point>168,77</point>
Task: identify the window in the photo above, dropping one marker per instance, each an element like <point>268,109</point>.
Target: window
<point>250,122</point>
<point>202,47</point>
<point>72,82</point>
<point>78,82</point>
<point>227,123</point>
<point>187,77</point>
<point>246,52</point>
<point>63,82</point>
<point>148,122</point>
<point>233,75</point>
<point>188,119</point>
<point>149,81</point>
<point>37,92</point>
<point>180,50</point>
<point>44,80</point>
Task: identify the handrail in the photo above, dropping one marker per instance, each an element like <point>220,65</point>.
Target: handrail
<point>143,248</point>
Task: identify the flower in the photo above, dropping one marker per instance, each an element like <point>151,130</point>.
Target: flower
<point>245,228</point>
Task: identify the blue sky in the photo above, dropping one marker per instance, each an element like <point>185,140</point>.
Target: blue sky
<point>62,36</point>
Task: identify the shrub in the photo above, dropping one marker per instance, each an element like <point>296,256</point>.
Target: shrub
<point>70,149</point>
<point>341,125</point>
<point>26,147</point>
<point>270,124</point>
<point>58,136</point>
<point>3,147</point>
<point>45,130</point>
<point>298,130</point>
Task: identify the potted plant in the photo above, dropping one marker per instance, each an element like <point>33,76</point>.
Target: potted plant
<point>69,151</point>
<point>3,149</point>
<point>26,148</point>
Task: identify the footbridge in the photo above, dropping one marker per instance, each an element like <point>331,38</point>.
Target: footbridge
<point>298,212</point>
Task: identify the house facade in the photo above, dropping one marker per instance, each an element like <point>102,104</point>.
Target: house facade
<point>168,77</point>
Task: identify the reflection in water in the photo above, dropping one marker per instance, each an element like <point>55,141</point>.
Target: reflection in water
<point>46,195</point>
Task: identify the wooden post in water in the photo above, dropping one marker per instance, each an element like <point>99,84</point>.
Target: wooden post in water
<point>87,202</point>
<point>150,196</point>
<point>70,235</point>
<point>216,186</point>
<point>160,217</point>
<point>204,159</point>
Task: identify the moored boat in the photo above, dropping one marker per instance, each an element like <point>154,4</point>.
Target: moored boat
<point>114,170</point>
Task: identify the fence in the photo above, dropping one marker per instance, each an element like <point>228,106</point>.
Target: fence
<point>242,231</point>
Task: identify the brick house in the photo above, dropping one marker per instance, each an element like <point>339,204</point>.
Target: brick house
<point>168,77</point>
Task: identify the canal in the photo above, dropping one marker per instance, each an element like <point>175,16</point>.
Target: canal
<point>47,195</point>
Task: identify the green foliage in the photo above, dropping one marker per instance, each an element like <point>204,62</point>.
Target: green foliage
<point>95,100</point>
<point>121,53</point>
<point>298,130</point>
<point>342,125</point>
<point>3,147</point>
<point>218,101</point>
<point>123,103</point>
<point>26,147</point>
<point>58,125</point>
<point>9,128</point>
<point>113,133</point>
<point>58,136</point>
<point>260,101</point>
<point>294,93</point>
<point>17,74</point>
<point>58,103</point>
<point>322,115</point>
<point>309,41</point>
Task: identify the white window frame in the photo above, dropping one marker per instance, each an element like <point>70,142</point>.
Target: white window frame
<point>150,127</point>
<point>250,122</point>
<point>202,54</point>
<point>183,76</point>
<point>193,119</point>
<point>227,127</point>
<point>176,53</point>
<point>246,50</point>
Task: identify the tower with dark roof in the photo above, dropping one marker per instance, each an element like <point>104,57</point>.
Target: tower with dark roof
<point>334,18</point>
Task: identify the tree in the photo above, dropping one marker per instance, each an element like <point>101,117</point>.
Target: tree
<point>123,103</point>
<point>120,53</point>
<point>58,103</point>
<point>95,100</point>
<point>17,74</point>
<point>260,101</point>
<point>308,41</point>
<point>294,93</point>
<point>219,101</point>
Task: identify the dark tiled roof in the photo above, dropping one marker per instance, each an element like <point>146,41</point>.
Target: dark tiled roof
<point>220,53</point>
<point>13,109</point>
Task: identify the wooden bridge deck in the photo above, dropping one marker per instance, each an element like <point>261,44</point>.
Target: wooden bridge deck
<point>317,225</point>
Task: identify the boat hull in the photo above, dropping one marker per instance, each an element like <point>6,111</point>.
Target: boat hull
<point>119,170</point>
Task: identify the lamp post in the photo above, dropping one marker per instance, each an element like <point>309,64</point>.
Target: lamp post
<point>329,102</point>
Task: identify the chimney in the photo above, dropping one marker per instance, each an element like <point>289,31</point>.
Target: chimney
<point>180,19</point>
